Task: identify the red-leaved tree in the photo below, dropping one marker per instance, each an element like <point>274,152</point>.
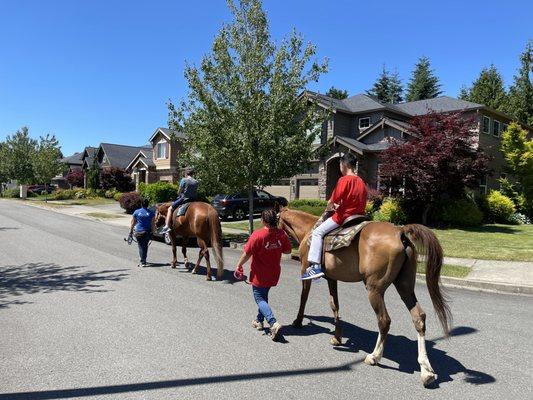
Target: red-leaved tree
<point>439,162</point>
<point>75,177</point>
<point>112,177</point>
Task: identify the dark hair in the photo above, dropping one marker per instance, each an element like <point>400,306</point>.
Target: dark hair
<point>270,217</point>
<point>189,171</point>
<point>145,202</point>
<point>350,160</point>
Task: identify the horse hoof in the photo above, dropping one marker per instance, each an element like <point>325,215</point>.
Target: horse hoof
<point>173,266</point>
<point>370,360</point>
<point>193,272</point>
<point>335,342</point>
<point>297,324</point>
<point>208,279</point>
<point>427,378</point>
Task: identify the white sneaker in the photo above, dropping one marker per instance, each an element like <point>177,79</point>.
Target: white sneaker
<point>166,229</point>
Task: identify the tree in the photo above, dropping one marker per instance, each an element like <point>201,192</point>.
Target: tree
<point>93,175</point>
<point>245,120</point>
<point>337,93</point>
<point>423,84</point>
<point>439,163</point>
<point>388,87</point>
<point>76,177</point>
<point>521,92</point>
<point>518,152</point>
<point>47,159</point>
<point>113,177</point>
<point>20,149</point>
<point>4,172</point>
<point>488,89</point>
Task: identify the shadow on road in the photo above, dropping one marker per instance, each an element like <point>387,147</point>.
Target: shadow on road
<point>7,228</point>
<point>398,349</point>
<point>17,280</point>
<point>137,387</point>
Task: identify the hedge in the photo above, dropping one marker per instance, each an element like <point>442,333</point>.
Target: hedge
<point>158,192</point>
<point>463,213</point>
<point>390,211</point>
<point>499,207</point>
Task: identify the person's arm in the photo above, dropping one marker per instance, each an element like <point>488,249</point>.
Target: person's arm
<point>244,258</point>
<point>132,224</point>
<point>182,186</point>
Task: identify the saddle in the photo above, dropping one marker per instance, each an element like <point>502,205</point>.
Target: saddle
<point>182,209</point>
<point>344,235</point>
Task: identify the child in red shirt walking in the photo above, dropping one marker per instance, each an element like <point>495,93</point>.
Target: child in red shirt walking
<point>265,247</point>
<point>348,198</point>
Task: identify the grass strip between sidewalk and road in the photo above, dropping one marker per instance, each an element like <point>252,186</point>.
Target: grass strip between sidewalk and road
<point>102,215</point>
<point>454,271</point>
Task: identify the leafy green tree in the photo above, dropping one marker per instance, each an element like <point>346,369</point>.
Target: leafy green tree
<point>488,89</point>
<point>521,92</point>
<point>337,93</point>
<point>4,172</point>
<point>518,152</point>
<point>388,87</point>
<point>245,121</point>
<point>423,84</point>
<point>47,159</point>
<point>20,149</point>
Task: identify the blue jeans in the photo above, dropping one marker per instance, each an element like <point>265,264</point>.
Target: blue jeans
<point>179,201</point>
<point>142,243</point>
<point>264,312</point>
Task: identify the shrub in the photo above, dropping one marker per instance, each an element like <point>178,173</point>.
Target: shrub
<point>113,177</point>
<point>11,193</point>
<point>310,206</point>
<point>110,193</point>
<point>499,207</point>
<point>66,194</point>
<point>117,195</point>
<point>130,201</point>
<point>462,212</point>
<point>369,208</point>
<point>519,219</point>
<point>390,211</point>
<point>80,194</point>
<point>158,192</point>
<point>95,192</point>
<point>76,177</point>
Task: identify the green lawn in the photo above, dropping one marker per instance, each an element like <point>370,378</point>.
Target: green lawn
<point>102,215</point>
<point>455,271</point>
<point>242,225</point>
<point>489,242</point>
<point>74,202</point>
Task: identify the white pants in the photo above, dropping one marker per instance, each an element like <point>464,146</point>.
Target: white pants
<point>317,240</point>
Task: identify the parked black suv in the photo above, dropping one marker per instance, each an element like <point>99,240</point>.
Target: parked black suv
<point>236,205</point>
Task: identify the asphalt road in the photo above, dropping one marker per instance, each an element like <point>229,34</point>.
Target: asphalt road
<point>78,319</point>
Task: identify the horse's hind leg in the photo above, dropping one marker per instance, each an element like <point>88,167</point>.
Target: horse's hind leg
<point>184,241</point>
<point>208,263</point>
<point>378,304</point>
<point>174,251</point>
<point>306,286</point>
<point>406,288</point>
<point>336,340</point>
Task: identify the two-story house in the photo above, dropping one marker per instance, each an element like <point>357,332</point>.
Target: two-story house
<point>363,125</point>
<point>159,161</point>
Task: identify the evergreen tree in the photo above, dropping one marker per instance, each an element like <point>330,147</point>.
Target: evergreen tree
<point>423,84</point>
<point>388,87</point>
<point>337,93</point>
<point>520,104</point>
<point>488,89</point>
<point>245,124</point>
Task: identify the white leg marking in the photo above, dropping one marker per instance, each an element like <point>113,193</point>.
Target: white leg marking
<point>426,371</point>
<point>375,357</point>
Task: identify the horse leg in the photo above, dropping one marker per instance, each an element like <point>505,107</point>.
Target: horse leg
<point>174,251</point>
<point>336,340</point>
<point>407,293</point>
<point>184,241</point>
<point>378,304</point>
<point>200,256</point>
<point>306,286</point>
<point>207,262</point>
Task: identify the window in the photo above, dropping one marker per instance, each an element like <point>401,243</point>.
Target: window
<point>263,195</point>
<point>483,184</point>
<point>364,122</point>
<point>486,124</point>
<point>496,128</point>
<point>161,150</point>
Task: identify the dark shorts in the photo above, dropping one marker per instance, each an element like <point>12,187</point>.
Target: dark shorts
<point>179,201</point>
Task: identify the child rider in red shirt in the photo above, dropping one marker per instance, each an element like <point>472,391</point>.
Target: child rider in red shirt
<point>348,198</point>
<point>265,247</point>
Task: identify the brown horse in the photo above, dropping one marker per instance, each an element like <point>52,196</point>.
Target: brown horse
<point>382,254</point>
<point>200,221</point>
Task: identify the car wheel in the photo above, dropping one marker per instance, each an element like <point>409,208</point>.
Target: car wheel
<point>167,239</point>
<point>239,214</point>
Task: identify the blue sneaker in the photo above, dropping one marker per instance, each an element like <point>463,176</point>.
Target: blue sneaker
<point>313,272</point>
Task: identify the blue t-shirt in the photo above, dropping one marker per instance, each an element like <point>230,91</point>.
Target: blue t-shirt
<point>190,187</point>
<point>143,217</point>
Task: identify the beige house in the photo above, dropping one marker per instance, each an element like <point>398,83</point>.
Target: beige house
<point>160,161</point>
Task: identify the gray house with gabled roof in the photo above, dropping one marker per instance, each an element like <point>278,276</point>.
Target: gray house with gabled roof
<point>364,126</point>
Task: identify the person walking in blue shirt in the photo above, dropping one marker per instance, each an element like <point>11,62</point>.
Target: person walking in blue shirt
<point>141,227</point>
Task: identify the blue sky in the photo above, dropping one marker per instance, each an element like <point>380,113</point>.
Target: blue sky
<point>101,71</point>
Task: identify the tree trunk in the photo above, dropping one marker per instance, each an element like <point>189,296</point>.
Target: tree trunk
<point>250,209</point>
<point>425,215</point>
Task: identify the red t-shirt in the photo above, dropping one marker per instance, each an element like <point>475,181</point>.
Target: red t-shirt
<point>350,195</point>
<point>266,245</point>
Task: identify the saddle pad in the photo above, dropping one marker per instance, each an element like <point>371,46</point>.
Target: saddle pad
<point>343,237</point>
<point>182,209</point>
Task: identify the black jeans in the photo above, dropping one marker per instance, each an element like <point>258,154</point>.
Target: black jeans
<point>142,243</point>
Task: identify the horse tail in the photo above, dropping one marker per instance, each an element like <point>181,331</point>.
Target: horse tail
<point>426,242</point>
<point>216,237</point>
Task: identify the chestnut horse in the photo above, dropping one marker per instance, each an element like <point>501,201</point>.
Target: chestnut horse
<point>200,221</point>
<point>381,254</point>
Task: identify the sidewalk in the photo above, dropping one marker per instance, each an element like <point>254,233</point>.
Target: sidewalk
<point>487,275</point>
